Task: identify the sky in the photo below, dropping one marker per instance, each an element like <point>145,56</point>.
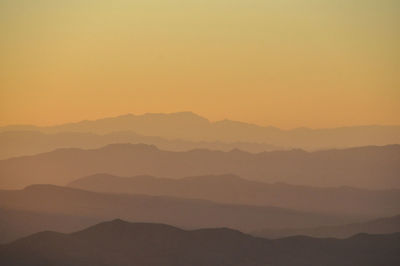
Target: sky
<point>287,63</point>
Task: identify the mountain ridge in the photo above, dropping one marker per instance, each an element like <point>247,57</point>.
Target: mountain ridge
<point>189,126</point>
<point>121,243</point>
<point>21,143</point>
<point>366,167</point>
<point>188,213</point>
<point>384,225</point>
<point>233,189</point>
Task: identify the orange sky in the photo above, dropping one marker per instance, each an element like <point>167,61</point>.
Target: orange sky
<point>288,64</point>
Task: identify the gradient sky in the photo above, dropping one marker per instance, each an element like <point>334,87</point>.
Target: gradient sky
<point>315,63</point>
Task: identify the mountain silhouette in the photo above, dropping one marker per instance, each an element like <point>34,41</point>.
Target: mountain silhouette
<point>188,213</point>
<point>190,126</point>
<point>367,167</point>
<point>120,243</point>
<point>20,143</point>
<point>183,212</point>
<point>235,190</point>
<point>378,226</point>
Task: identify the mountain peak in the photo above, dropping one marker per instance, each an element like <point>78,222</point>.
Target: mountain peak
<point>118,222</point>
<point>179,115</point>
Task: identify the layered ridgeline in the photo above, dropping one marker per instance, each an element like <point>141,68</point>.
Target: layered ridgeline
<point>235,190</point>
<point>366,167</point>
<point>15,224</point>
<point>19,143</point>
<point>385,225</point>
<point>189,126</point>
<point>120,243</point>
<point>188,213</point>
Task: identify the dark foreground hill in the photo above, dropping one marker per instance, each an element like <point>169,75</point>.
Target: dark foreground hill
<point>378,226</point>
<point>187,213</point>
<point>119,243</point>
<point>235,190</point>
<point>367,167</point>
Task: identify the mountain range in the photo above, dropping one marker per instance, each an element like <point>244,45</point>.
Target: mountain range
<point>385,225</point>
<point>232,189</point>
<point>190,126</point>
<point>187,213</point>
<point>120,243</point>
<point>366,167</point>
<point>181,186</point>
<point>20,143</point>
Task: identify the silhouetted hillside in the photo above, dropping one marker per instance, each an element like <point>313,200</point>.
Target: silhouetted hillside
<point>20,143</point>
<point>370,167</point>
<point>120,243</point>
<point>189,126</point>
<point>233,189</point>
<point>186,213</point>
<point>377,226</point>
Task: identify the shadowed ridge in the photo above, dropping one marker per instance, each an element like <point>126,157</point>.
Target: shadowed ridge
<point>233,123</point>
<point>57,151</point>
<point>221,233</point>
<point>119,243</point>
<point>367,148</point>
<point>186,115</point>
<point>126,232</point>
<point>120,147</point>
<point>42,240</point>
<point>119,225</point>
<point>236,150</point>
<point>243,125</point>
<point>381,226</point>
<point>128,115</point>
<point>300,238</point>
<point>371,237</point>
<point>99,177</point>
<point>186,212</point>
<point>120,118</point>
<point>53,188</point>
<point>232,189</point>
<point>49,235</point>
<point>38,187</point>
<point>216,178</point>
<point>114,147</point>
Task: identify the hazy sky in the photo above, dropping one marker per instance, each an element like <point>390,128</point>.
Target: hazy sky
<point>315,63</point>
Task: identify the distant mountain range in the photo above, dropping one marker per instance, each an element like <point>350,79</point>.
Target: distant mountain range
<point>120,243</point>
<point>191,127</point>
<point>366,167</point>
<point>182,170</point>
<point>20,143</point>
<point>235,190</point>
<point>187,213</point>
<point>386,225</point>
